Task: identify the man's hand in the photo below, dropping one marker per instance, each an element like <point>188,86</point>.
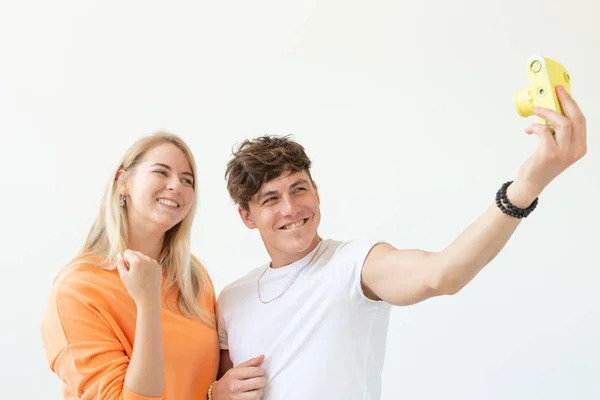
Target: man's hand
<point>244,382</point>
<point>554,154</point>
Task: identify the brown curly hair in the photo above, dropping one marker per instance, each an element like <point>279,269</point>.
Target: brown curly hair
<point>260,160</point>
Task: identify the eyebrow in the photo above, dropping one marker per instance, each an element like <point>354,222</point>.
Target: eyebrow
<point>293,185</point>
<point>165,166</point>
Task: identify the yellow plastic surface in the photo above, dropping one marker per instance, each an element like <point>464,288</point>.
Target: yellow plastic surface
<point>543,76</point>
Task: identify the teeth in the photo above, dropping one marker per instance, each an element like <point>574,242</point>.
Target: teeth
<point>167,202</point>
<point>294,225</point>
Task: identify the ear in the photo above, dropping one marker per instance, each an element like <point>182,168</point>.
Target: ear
<point>316,192</point>
<point>120,180</point>
<point>246,218</point>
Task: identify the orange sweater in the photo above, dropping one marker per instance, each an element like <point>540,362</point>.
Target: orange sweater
<point>88,332</point>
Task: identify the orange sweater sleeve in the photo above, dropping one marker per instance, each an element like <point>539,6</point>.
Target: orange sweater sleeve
<point>83,349</point>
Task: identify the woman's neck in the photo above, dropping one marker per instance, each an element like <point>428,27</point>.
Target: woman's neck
<point>146,242</point>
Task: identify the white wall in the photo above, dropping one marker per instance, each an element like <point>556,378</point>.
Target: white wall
<point>406,109</point>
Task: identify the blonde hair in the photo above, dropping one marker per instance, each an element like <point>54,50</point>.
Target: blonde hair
<point>108,235</point>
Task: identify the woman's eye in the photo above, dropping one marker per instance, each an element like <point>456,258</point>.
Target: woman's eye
<point>161,172</point>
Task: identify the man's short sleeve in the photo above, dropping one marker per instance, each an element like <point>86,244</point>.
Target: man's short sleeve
<point>349,261</point>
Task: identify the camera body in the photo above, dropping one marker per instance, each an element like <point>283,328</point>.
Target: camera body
<point>544,75</point>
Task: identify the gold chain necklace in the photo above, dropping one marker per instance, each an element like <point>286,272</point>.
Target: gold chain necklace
<point>291,282</point>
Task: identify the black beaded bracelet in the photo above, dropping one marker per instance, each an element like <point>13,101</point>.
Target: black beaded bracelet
<point>508,208</point>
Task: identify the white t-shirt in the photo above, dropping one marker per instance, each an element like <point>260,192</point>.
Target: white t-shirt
<point>323,339</point>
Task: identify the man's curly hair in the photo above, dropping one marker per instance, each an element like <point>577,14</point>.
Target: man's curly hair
<point>261,160</point>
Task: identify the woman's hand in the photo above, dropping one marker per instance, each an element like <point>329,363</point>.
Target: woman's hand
<point>142,277</point>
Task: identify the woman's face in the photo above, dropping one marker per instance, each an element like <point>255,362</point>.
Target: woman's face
<point>160,189</point>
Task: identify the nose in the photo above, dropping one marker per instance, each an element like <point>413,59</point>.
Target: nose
<point>174,185</point>
<point>288,205</point>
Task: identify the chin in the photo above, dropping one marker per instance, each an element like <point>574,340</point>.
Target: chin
<point>165,225</point>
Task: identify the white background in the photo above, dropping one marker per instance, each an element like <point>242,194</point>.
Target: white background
<point>406,109</point>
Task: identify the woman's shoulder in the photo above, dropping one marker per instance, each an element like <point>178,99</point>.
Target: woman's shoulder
<point>201,266</point>
<point>208,291</point>
<point>78,300</point>
<point>85,274</point>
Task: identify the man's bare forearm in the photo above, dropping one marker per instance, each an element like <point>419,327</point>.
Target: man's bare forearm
<point>146,372</point>
<point>481,241</point>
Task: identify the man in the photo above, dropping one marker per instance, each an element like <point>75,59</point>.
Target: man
<point>312,323</point>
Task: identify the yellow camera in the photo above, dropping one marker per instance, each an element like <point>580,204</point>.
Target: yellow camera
<point>544,75</point>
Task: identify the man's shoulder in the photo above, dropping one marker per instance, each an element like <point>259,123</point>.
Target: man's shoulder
<point>241,283</point>
<point>353,248</point>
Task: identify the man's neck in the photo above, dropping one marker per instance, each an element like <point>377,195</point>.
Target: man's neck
<point>279,260</point>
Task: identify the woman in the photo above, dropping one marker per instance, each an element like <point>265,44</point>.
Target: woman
<point>135,281</point>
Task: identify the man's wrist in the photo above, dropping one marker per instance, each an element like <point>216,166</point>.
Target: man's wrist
<point>522,193</point>
<point>212,391</point>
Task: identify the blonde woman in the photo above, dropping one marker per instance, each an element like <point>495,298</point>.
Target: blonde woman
<point>133,315</point>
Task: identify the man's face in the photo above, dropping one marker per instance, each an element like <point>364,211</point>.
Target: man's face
<point>286,213</point>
